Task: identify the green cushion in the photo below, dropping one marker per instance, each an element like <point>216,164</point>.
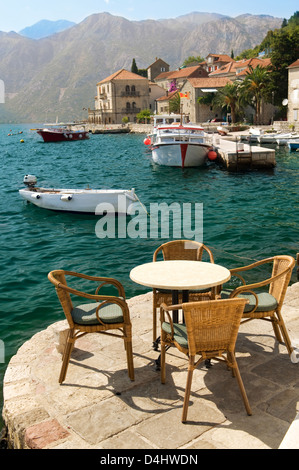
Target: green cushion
<point>266,301</point>
<point>86,314</point>
<point>180,333</point>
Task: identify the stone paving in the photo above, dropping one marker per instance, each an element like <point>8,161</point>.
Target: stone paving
<point>98,407</point>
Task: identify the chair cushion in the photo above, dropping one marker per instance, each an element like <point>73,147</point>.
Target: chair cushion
<point>86,314</point>
<point>266,301</point>
<point>180,333</point>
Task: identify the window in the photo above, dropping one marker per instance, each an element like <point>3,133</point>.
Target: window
<point>295,114</point>
<point>127,90</point>
<point>133,89</point>
<point>128,105</point>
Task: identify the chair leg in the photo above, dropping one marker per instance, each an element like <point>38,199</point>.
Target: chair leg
<point>154,322</point>
<point>285,333</point>
<point>163,362</point>
<point>188,389</point>
<point>129,351</point>
<point>67,355</point>
<point>240,383</point>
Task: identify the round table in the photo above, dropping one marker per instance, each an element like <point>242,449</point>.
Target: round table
<point>180,275</point>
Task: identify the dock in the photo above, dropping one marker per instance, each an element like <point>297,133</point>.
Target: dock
<point>234,154</point>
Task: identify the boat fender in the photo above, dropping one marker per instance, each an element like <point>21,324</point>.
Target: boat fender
<point>35,196</point>
<point>66,197</point>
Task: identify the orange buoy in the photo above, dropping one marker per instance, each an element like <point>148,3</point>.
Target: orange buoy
<point>212,155</point>
<point>147,141</point>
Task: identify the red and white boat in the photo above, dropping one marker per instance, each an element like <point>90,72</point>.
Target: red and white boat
<point>61,134</point>
<point>180,145</point>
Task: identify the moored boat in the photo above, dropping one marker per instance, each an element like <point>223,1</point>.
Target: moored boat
<point>87,201</point>
<point>62,134</point>
<point>180,145</point>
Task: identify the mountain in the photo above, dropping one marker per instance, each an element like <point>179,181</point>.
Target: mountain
<point>45,28</point>
<point>57,75</point>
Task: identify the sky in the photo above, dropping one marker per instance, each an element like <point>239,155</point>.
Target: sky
<point>17,14</point>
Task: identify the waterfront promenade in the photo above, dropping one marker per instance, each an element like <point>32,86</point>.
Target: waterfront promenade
<point>98,407</point>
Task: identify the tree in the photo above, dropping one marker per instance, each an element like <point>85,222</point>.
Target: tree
<point>192,59</point>
<point>229,97</point>
<point>285,50</point>
<point>255,89</point>
<point>134,68</point>
<point>144,116</point>
<point>175,104</point>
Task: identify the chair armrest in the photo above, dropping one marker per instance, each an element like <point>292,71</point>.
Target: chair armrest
<point>251,266</point>
<point>117,301</point>
<point>104,280</point>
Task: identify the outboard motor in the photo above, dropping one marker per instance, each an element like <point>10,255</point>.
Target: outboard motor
<point>30,181</point>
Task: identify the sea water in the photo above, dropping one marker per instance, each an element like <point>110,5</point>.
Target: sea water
<point>247,216</point>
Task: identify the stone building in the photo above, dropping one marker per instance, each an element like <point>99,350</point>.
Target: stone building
<point>293,98</point>
<point>194,88</point>
<point>155,69</point>
<point>122,94</point>
<point>174,80</point>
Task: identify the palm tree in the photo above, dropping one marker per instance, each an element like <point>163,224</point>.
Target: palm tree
<point>255,89</point>
<point>230,97</point>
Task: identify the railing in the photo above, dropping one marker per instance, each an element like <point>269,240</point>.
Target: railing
<point>131,110</point>
<point>130,93</point>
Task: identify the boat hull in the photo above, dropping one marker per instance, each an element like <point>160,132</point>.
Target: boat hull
<point>62,135</point>
<point>293,146</point>
<point>180,155</point>
<point>96,202</point>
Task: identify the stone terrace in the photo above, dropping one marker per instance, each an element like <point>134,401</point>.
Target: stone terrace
<point>98,407</point>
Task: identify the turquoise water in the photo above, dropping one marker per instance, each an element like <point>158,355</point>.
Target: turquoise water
<point>247,216</point>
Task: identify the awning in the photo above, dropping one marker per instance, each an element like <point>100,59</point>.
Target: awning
<point>209,90</point>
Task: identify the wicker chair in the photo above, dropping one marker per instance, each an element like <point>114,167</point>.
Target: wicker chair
<point>210,331</point>
<point>104,314</point>
<point>179,250</point>
<point>266,304</point>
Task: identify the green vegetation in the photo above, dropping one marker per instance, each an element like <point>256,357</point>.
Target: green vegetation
<point>261,83</point>
<point>192,59</point>
<point>144,116</point>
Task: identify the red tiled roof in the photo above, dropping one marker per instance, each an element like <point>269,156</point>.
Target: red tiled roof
<point>122,74</point>
<point>209,82</point>
<point>222,57</point>
<point>182,73</point>
<point>167,97</point>
<point>294,64</point>
<point>244,64</point>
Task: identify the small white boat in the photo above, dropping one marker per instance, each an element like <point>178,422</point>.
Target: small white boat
<point>284,139</point>
<point>87,201</point>
<point>180,145</point>
<point>267,138</point>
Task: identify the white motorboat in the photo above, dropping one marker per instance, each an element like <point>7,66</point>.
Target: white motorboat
<point>87,201</point>
<point>180,145</point>
<point>284,139</point>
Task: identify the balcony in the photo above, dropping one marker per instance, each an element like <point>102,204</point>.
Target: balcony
<point>130,93</point>
<point>131,110</point>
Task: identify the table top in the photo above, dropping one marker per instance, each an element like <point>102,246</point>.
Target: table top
<point>180,275</point>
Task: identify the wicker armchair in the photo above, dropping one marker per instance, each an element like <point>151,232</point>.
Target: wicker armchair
<point>104,314</point>
<point>210,331</point>
<point>266,304</point>
<point>179,250</point>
